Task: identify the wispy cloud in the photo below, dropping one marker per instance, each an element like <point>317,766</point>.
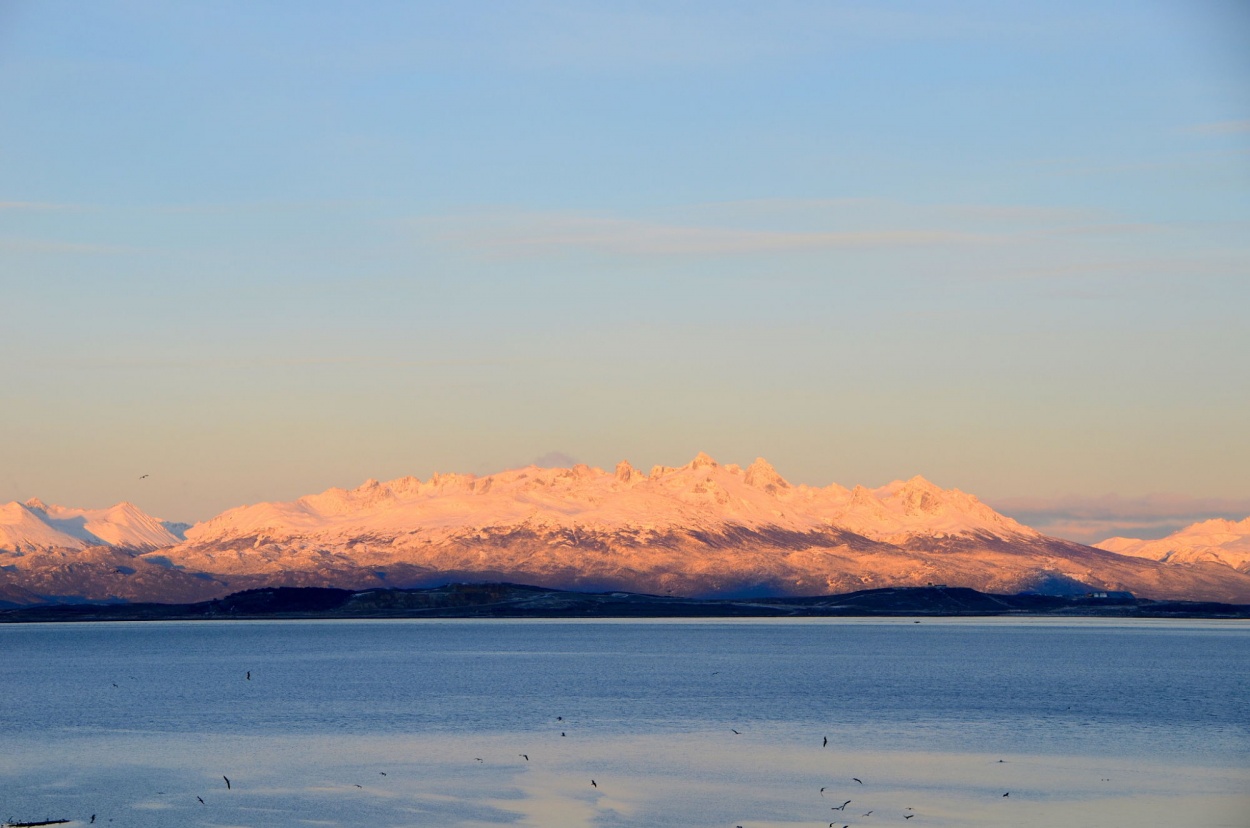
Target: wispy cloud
<point>639,37</point>
<point>39,206</point>
<point>12,245</point>
<point>847,209</point>
<point>525,234</point>
<point>245,364</point>
<point>1089,519</point>
<point>1240,127</point>
<point>970,242</point>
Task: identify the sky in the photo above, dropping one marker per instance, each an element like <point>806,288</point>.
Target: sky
<point>255,249</point>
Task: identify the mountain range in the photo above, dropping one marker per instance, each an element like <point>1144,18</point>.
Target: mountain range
<point>703,529</point>
<point>1217,541</point>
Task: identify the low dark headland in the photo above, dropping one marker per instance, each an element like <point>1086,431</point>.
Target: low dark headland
<point>517,601</point>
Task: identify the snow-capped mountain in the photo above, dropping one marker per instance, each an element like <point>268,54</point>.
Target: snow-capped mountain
<point>698,529</point>
<point>58,553</point>
<point>34,525</point>
<point>701,529</point>
<point>1218,541</point>
<point>701,495</point>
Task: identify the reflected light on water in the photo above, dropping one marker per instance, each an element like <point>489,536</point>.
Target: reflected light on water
<point>693,779</point>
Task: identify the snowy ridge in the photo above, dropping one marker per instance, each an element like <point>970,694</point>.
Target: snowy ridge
<point>699,529</point>
<point>702,494</point>
<point>1218,541</point>
<point>34,525</point>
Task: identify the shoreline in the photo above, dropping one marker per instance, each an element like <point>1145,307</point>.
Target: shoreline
<point>520,601</point>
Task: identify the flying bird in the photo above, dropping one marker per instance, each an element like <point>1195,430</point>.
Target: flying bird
<point>857,779</point>
<point>594,783</point>
<point>202,802</point>
<point>1007,794</point>
<point>526,755</point>
<point>382,772</point>
<point>142,476</point>
<point>249,675</point>
<point>736,733</point>
<point>826,744</point>
<point>92,822</point>
<point>909,816</point>
<point>561,732</point>
<point>223,776</point>
<point>822,791</point>
<point>842,807</point>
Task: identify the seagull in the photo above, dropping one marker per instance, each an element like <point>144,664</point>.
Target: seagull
<point>842,807</point>
<point>826,744</point>
<point>822,791</point>
<point>526,755</point>
<point>92,822</point>
<point>1007,794</point>
<point>857,779</point>
<point>594,783</point>
<point>142,476</point>
<point>868,814</point>
<point>202,802</point>
<point>227,781</point>
<point>909,816</point>
<point>561,732</point>
<point>249,675</point>
<point>382,772</point>
<point>736,733</point>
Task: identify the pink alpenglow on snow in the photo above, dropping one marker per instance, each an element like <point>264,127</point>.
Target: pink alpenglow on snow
<point>702,529</point>
<point>35,525</point>
<point>1219,541</point>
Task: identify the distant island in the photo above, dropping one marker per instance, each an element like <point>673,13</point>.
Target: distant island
<point>520,601</point>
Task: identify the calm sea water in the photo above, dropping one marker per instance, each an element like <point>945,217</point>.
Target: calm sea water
<point>473,723</point>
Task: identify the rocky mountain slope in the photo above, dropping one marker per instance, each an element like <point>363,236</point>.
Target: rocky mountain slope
<point>703,529</point>
<point>1215,541</point>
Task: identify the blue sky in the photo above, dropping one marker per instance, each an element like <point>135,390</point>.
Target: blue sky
<point>255,249</point>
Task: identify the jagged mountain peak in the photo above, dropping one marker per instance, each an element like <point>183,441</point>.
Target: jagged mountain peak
<point>702,461</point>
<point>627,474</point>
<point>762,475</point>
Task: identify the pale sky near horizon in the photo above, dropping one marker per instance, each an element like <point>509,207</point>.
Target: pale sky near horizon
<point>254,250</point>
